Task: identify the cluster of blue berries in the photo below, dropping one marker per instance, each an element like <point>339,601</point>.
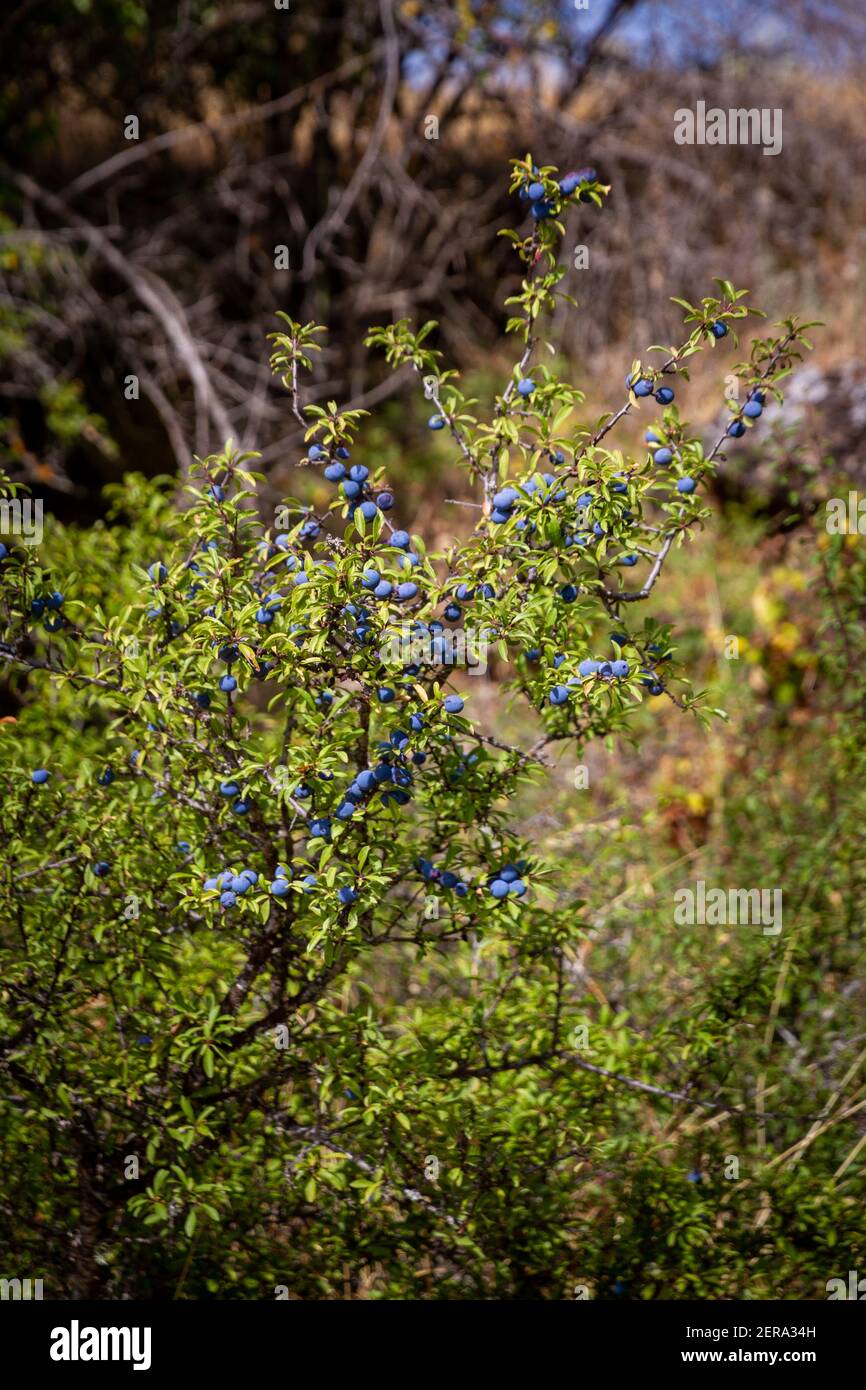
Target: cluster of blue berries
<point>50,605</point>
<point>443,878</point>
<point>544,204</point>
<point>379,587</point>
<point>663,455</point>
<point>230,789</point>
<point>465,593</point>
<point>645,386</point>
<point>508,498</point>
<point>353,481</point>
<point>582,538</point>
<point>391,777</point>
<point>283,875</point>
<point>752,410</point>
<point>650,677</point>
<point>605,670</point>
<point>507,882</point>
<point>231,884</point>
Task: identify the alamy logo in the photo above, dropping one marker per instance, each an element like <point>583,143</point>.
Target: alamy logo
<point>854,1289</point>
<point>846,518</point>
<point>25,1289</point>
<point>22,517</point>
<point>76,1343</point>
<point>739,126</point>
<point>716,907</point>
<point>438,646</point>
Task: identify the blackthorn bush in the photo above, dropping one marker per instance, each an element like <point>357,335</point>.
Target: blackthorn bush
<point>247,799</point>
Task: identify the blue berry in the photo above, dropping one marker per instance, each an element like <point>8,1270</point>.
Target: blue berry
<point>280,888</point>
<point>526,386</point>
<point>40,776</point>
<point>452,704</point>
<point>643,387</point>
<point>663,457</point>
<point>664,395</point>
<point>436,422</point>
<point>718,329</point>
<point>686,485</point>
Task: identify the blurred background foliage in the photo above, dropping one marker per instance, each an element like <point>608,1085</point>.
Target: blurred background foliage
<point>369,141</point>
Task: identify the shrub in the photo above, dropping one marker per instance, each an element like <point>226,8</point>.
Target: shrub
<point>285,994</point>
